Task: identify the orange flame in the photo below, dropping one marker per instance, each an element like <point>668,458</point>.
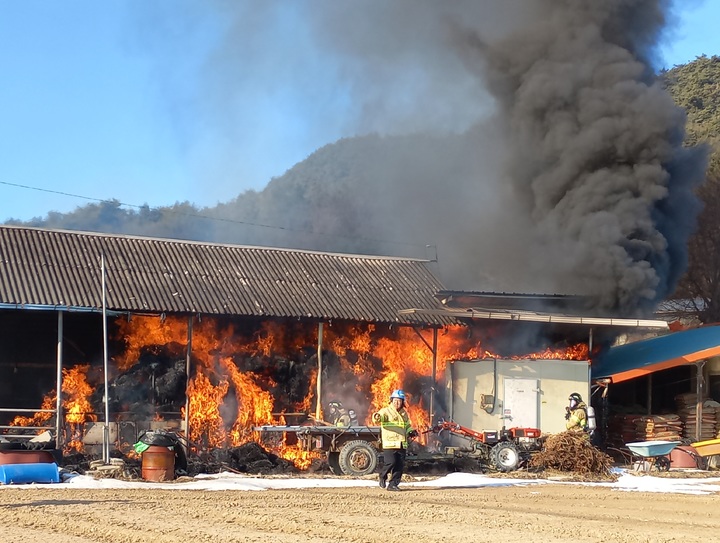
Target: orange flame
<point>76,406</point>
<point>246,374</point>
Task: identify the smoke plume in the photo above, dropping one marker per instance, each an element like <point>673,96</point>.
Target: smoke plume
<point>526,140</point>
<point>596,151</point>
<point>561,167</point>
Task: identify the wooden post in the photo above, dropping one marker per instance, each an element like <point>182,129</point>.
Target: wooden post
<point>318,406</point>
<point>434,376</point>
<point>188,354</point>
<point>699,391</point>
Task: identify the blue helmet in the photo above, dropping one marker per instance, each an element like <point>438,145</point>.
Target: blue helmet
<point>398,394</point>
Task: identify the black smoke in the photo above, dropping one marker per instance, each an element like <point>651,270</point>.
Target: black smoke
<point>596,148</point>
<point>527,141</point>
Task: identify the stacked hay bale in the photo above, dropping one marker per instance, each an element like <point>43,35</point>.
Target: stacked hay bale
<point>687,409</point>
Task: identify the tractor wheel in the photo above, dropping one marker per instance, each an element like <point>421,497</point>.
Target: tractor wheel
<point>358,458</point>
<point>504,456</point>
<point>333,460</point>
<point>662,463</point>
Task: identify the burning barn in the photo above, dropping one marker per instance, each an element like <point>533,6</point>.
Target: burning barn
<point>205,338</point>
<point>212,340</point>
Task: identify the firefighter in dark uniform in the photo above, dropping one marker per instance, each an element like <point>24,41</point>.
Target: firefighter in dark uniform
<point>338,415</point>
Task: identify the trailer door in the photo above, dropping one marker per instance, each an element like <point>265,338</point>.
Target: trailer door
<point>520,405</point>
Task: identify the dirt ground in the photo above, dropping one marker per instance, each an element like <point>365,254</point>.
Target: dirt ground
<point>536,513</point>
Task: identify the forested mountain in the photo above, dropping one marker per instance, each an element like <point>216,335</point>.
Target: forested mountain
<point>371,195</point>
<point>696,87</point>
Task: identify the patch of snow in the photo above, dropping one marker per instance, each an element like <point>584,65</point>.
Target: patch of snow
<point>231,481</point>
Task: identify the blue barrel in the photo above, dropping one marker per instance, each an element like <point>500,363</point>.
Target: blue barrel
<point>16,474</point>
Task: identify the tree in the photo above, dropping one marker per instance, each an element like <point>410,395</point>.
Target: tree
<point>699,289</point>
<point>696,87</point>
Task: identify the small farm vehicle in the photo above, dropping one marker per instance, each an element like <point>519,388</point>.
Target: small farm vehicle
<point>351,450</point>
<point>354,450</point>
<point>503,450</point>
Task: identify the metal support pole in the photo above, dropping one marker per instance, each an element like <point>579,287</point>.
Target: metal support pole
<point>451,386</point>
<point>434,376</point>
<point>699,390</point>
<point>318,406</point>
<point>188,354</point>
<point>58,400</point>
<point>590,342</point>
<point>649,393</point>
<point>106,429</point>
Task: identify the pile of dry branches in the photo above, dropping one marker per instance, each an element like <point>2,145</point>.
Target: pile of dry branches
<point>569,451</point>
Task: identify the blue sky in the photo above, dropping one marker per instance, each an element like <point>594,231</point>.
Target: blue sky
<point>129,99</point>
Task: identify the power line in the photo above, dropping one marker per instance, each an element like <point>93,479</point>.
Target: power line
<point>208,217</point>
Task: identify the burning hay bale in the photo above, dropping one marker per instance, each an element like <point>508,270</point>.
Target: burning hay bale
<point>156,380</point>
<point>571,452</point>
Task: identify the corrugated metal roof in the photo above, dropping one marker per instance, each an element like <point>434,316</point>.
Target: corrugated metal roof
<point>536,316</point>
<point>663,352</point>
<point>41,268</point>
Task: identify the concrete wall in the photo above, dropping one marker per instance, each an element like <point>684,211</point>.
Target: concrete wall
<point>471,386</point>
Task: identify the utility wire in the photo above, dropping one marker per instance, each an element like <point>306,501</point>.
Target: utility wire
<point>210,218</point>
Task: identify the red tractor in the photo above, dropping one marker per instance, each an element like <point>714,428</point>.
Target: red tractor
<point>502,450</point>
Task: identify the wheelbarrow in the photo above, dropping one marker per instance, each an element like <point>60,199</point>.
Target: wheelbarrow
<point>706,450</point>
<point>710,447</point>
<point>651,454</point>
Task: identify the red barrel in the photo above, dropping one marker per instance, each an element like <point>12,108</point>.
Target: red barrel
<point>25,457</point>
<point>684,456</point>
<point>158,464</point>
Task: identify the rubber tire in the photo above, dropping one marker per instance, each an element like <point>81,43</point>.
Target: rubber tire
<point>662,463</point>
<point>358,458</point>
<point>333,460</point>
<point>504,456</point>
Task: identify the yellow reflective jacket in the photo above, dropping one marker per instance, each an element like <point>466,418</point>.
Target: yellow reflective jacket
<point>394,427</point>
<point>577,422</point>
<point>343,418</point>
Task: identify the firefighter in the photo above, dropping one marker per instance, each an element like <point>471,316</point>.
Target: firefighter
<point>576,419</point>
<point>394,432</point>
<point>338,415</point>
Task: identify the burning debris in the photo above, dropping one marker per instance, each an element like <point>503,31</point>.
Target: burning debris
<point>248,458</point>
<point>571,452</point>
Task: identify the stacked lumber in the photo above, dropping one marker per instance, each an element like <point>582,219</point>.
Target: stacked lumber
<point>659,428</point>
<point>687,409</point>
<point>707,404</point>
<point>622,429</point>
<point>632,428</point>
